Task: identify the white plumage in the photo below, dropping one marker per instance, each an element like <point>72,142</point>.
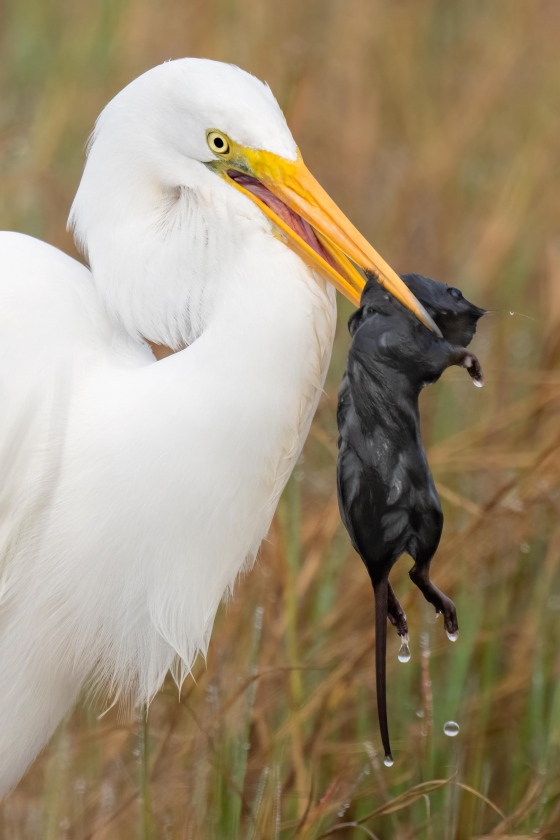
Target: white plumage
<point>132,491</point>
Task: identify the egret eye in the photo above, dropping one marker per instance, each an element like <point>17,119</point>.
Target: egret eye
<point>218,142</point>
<point>455,293</point>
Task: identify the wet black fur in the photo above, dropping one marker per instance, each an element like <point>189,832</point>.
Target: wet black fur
<point>387,498</point>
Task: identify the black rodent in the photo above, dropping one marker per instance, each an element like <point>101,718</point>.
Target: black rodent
<point>387,498</point>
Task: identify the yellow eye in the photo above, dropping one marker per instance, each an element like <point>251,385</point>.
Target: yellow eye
<point>218,142</point>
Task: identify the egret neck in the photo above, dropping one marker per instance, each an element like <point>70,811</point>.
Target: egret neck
<point>214,428</point>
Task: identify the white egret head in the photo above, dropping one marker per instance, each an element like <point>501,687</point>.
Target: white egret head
<point>185,167</point>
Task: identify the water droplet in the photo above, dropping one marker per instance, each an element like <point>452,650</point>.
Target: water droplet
<point>525,548</point>
<point>388,761</point>
<point>512,313</point>
<point>452,636</point>
<point>404,650</point>
<point>478,383</point>
<point>420,713</point>
<point>451,728</point>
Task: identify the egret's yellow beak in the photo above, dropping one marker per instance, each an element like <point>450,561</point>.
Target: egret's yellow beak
<point>312,224</point>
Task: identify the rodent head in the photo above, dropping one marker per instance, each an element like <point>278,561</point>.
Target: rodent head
<point>454,314</point>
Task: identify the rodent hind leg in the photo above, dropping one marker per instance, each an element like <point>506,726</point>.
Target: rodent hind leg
<point>420,575</point>
<point>397,615</point>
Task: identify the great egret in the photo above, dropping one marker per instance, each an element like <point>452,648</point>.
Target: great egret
<point>133,491</point>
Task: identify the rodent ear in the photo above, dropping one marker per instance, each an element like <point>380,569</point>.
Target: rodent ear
<point>355,320</point>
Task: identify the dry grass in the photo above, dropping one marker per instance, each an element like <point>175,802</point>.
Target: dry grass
<point>435,125</point>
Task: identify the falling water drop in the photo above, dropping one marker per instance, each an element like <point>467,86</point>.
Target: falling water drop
<point>404,650</point>
<point>451,728</point>
<point>388,761</point>
<point>452,636</point>
<point>478,383</point>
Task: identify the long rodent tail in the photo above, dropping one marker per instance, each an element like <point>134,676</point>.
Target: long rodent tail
<point>381,599</point>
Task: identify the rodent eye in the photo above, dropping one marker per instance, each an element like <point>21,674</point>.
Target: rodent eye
<point>455,293</point>
<point>370,311</point>
<point>218,142</point>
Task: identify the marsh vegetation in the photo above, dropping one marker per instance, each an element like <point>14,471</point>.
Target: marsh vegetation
<point>435,126</point>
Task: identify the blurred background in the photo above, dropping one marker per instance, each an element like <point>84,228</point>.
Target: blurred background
<point>435,125</point>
